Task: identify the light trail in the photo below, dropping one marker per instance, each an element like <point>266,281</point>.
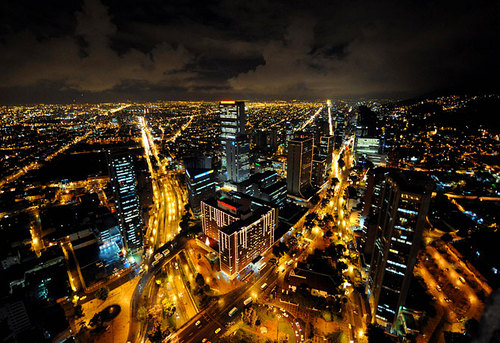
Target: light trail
<point>114,110</point>
<point>183,127</point>
<point>330,122</point>
<point>147,147</point>
<point>311,119</point>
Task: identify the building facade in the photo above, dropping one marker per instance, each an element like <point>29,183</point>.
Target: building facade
<point>243,226</point>
<point>404,205</point>
<point>299,165</point>
<point>216,214</point>
<point>339,129</point>
<point>322,160</point>
<point>325,150</point>
<point>124,183</point>
<point>232,122</point>
<point>200,185</point>
<point>369,148</point>
<point>238,159</point>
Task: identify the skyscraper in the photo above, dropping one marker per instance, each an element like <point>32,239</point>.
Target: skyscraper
<point>325,150</point>
<point>339,129</point>
<point>201,186</point>
<point>371,210</point>
<point>369,149</point>
<point>299,165</point>
<point>322,160</point>
<point>232,122</point>
<point>242,225</point>
<point>238,158</point>
<point>318,173</point>
<point>124,183</point>
<point>404,204</point>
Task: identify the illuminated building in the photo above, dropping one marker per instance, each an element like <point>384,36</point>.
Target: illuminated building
<point>232,123</point>
<point>371,209</point>
<point>124,183</point>
<point>339,129</point>
<point>242,225</point>
<point>322,160</point>
<point>201,186</point>
<point>266,186</point>
<point>238,159</point>
<point>369,148</point>
<point>318,173</point>
<point>289,130</point>
<point>197,162</point>
<point>325,150</point>
<point>404,204</point>
<point>275,193</point>
<point>299,165</point>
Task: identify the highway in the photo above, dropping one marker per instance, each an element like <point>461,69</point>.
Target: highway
<point>163,227</point>
<point>168,198</point>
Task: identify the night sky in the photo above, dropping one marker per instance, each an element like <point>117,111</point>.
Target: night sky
<point>114,50</point>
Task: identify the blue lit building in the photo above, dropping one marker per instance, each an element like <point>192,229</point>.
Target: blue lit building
<point>124,183</point>
<point>201,186</point>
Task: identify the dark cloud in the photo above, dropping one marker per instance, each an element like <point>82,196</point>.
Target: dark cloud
<point>106,50</point>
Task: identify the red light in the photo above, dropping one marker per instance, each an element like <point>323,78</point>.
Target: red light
<point>222,203</point>
<point>228,102</point>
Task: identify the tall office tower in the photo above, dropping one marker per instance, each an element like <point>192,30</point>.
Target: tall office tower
<point>339,129</point>
<point>266,141</point>
<point>289,131</point>
<point>318,172</point>
<point>242,225</point>
<point>325,150</point>
<point>201,186</point>
<point>124,183</point>
<point>322,160</point>
<point>232,122</point>
<point>404,204</point>
<point>371,209</point>
<point>266,186</point>
<point>367,123</point>
<point>238,158</point>
<point>299,165</point>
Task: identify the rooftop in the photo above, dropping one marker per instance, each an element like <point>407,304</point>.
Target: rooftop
<point>412,182</point>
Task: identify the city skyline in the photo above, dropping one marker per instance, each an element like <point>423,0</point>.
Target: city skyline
<point>353,222</point>
<point>261,171</point>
